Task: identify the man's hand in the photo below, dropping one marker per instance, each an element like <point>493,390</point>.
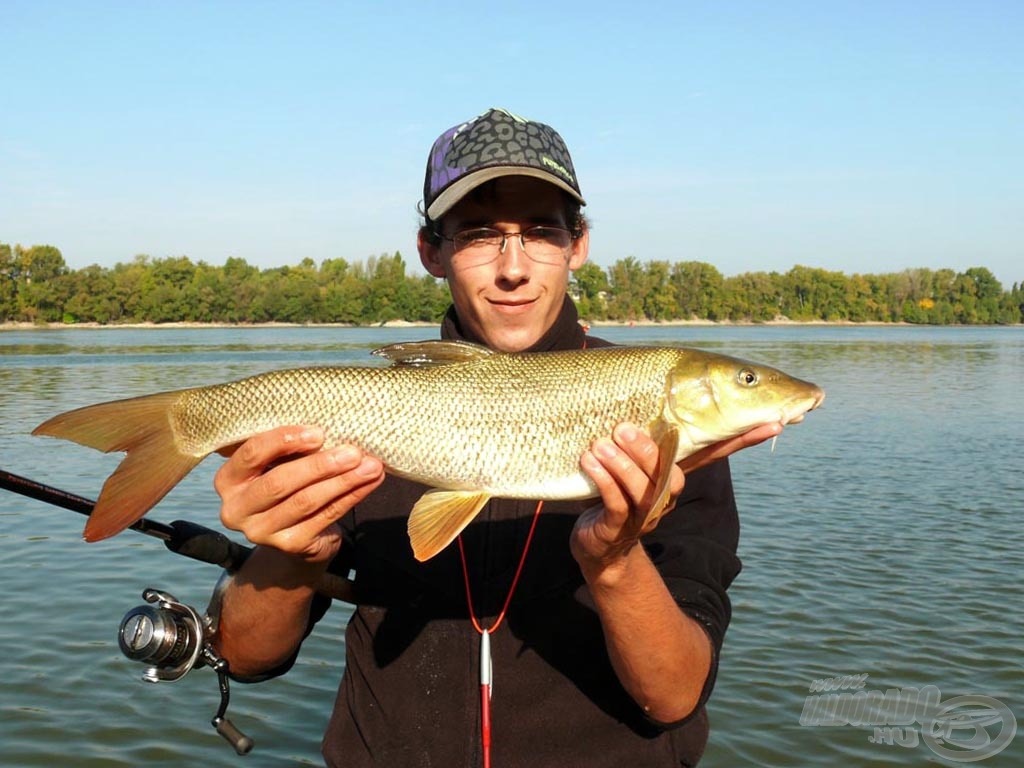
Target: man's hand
<point>281,490</point>
<point>624,468</point>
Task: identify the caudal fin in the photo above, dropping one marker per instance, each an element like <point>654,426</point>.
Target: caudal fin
<point>153,466</point>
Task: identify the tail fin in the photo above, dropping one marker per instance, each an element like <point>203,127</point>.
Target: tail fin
<point>153,466</point>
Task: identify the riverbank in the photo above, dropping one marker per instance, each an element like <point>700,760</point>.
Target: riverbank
<point>21,326</point>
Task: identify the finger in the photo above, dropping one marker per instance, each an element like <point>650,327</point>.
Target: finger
<point>646,453</point>
<point>344,493</point>
<point>728,447</point>
<point>638,446</point>
<point>632,489</point>
<point>302,516</point>
<point>252,457</point>
<point>298,475</point>
<point>613,498</point>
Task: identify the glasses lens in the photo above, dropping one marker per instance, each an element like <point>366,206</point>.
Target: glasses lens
<point>481,240</point>
<point>547,244</point>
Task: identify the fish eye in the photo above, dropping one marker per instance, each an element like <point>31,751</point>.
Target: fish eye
<point>747,377</point>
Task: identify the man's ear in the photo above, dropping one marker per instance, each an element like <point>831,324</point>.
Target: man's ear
<point>580,251</point>
<point>430,256</point>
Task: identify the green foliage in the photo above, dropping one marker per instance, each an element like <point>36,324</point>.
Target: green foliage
<point>37,286</point>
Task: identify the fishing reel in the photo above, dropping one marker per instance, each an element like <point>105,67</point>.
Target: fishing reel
<point>173,639</point>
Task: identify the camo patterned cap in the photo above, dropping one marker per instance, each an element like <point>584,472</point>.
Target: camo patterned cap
<point>494,144</point>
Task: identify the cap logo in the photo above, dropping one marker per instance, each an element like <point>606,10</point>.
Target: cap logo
<point>556,167</point>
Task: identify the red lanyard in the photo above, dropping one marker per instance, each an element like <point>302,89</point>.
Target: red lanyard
<point>485,636</point>
<point>486,668</point>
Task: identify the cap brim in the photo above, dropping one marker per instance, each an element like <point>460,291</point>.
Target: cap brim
<point>447,199</point>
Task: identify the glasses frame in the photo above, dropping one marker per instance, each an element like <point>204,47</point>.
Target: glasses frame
<point>574,235</point>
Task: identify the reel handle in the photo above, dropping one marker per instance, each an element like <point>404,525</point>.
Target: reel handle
<point>241,743</point>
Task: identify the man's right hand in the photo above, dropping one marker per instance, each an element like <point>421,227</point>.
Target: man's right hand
<point>280,490</point>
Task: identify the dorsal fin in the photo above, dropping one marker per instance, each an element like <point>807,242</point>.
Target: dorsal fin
<point>428,353</point>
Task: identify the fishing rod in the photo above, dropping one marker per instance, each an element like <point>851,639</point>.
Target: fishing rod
<point>170,636</point>
<point>182,537</point>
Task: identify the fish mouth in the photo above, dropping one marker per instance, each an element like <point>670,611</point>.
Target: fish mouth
<point>817,397</point>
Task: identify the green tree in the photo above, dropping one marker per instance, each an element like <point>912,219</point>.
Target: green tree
<point>388,297</point>
<point>91,296</point>
<point>9,271</point>
<point>128,285</point>
<point>628,284</point>
<point>659,300</point>
<point>589,287</point>
<point>344,290</point>
<point>755,296</point>
<point>698,290</point>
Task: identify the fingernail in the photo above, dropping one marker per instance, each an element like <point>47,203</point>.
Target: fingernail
<point>311,435</point>
<point>368,468</point>
<point>628,432</point>
<point>345,455</point>
<point>605,448</point>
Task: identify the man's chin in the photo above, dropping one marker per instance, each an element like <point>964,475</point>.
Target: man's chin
<point>512,338</point>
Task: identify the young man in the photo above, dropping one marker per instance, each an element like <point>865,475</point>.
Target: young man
<point>604,644</point>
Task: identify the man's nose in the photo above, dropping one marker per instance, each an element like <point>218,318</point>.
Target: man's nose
<point>513,263</point>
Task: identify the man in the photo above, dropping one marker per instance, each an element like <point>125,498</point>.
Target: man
<point>608,646</point>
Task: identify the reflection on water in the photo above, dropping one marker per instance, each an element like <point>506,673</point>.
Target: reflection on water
<point>880,537</point>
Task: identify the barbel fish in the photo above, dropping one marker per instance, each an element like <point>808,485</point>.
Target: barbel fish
<point>469,422</point>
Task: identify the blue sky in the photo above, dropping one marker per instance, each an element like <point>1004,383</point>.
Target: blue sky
<point>853,136</point>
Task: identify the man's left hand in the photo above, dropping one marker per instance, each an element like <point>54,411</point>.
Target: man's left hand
<point>624,468</point>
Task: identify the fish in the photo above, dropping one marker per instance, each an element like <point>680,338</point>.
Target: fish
<point>469,422</point>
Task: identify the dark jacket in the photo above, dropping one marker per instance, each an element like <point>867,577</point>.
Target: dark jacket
<point>410,692</point>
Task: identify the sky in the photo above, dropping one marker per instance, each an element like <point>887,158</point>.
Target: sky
<point>860,137</point>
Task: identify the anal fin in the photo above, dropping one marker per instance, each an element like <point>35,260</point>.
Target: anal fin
<point>439,516</point>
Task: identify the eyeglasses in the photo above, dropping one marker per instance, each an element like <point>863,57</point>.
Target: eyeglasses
<point>482,245</point>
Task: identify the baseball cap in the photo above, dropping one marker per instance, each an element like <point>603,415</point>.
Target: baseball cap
<point>494,144</point>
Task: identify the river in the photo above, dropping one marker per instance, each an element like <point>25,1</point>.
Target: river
<point>882,548</point>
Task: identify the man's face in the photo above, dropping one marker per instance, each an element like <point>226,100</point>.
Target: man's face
<point>510,302</point>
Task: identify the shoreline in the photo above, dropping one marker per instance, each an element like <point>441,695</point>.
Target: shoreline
<point>27,326</point>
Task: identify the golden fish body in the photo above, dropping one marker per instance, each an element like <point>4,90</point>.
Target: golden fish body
<point>467,421</point>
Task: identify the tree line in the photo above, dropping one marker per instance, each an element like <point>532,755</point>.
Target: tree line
<point>36,285</point>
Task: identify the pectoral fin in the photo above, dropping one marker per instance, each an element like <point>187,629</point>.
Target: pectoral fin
<point>668,444</point>
<point>440,516</point>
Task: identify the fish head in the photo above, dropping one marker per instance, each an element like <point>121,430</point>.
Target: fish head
<point>712,397</point>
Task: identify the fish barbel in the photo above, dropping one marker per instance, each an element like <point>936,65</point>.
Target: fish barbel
<point>469,422</point>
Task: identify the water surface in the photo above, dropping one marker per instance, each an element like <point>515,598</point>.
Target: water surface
<point>882,537</point>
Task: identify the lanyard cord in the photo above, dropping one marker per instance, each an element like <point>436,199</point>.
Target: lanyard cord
<point>515,579</point>
<point>485,636</point>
